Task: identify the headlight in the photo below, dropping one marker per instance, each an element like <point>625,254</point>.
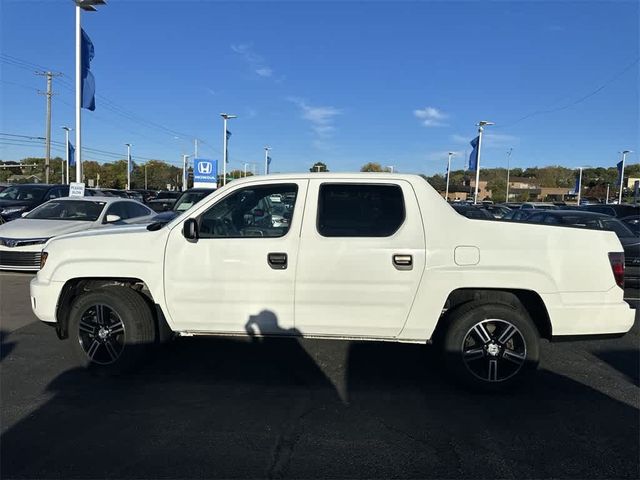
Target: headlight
<point>12,210</point>
<point>43,259</point>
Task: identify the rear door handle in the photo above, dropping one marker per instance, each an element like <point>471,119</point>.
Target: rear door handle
<point>403,262</point>
<point>277,261</point>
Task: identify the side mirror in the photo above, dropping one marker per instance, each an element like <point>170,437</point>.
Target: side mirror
<point>112,219</point>
<point>190,229</point>
<point>24,214</point>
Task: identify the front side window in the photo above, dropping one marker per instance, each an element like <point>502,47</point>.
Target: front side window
<point>260,211</point>
<point>359,210</point>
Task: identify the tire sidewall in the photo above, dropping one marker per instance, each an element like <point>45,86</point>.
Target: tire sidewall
<point>137,337</point>
<point>464,318</point>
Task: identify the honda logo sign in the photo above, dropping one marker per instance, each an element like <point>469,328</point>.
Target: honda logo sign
<point>205,173</point>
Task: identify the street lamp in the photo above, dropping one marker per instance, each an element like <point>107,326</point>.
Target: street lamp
<point>225,117</point>
<point>624,157</point>
<point>390,167</point>
<point>87,6</point>
<point>128,145</point>
<point>67,130</point>
<point>481,124</point>
<point>450,156</point>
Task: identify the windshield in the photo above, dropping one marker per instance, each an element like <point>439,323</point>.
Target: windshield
<point>188,199</point>
<point>167,195</point>
<point>619,228</point>
<point>80,210</point>
<point>23,192</point>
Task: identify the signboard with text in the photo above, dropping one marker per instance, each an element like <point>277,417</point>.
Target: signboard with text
<point>76,189</point>
<point>205,173</point>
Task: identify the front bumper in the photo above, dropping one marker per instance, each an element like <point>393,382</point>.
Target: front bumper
<point>44,299</point>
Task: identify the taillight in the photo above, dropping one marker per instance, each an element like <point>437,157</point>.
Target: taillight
<point>617,267</point>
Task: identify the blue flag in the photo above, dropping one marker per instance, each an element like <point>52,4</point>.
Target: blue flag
<point>473,158</point>
<point>620,171</point>
<point>226,159</point>
<point>72,155</point>
<point>576,189</point>
<point>130,162</point>
<point>228,135</point>
<point>268,160</point>
<point>88,84</point>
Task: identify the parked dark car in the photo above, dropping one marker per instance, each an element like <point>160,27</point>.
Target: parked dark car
<point>135,195</point>
<point>473,212</point>
<point>598,221</point>
<point>164,201</point>
<point>518,215</point>
<point>146,194</point>
<point>498,211</point>
<point>618,211</point>
<point>187,200</point>
<point>633,223</point>
<point>20,198</point>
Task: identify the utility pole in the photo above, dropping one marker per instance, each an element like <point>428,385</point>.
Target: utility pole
<point>128,145</point>
<point>446,195</point>
<point>266,160</point>
<point>48,94</point>
<point>506,199</point>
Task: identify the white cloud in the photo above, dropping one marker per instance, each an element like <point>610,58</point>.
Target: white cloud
<point>257,62</point>
<point>431,117</point>
<point>320,117</point>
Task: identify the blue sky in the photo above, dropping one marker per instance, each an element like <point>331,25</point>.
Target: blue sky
<point>399,83</point>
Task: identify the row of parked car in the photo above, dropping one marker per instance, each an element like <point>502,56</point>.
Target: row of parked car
<point>623,220</point>
<point>31,214</point>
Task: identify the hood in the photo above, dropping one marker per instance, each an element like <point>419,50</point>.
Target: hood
<point>115,230</point>
<point>33,228</point>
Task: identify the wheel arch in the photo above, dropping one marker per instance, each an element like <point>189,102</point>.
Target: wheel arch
<point>528,300</point>
<point>77,286</point>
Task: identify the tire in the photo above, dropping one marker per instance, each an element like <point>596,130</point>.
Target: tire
<point>491,346</point>
<point>111,329</point>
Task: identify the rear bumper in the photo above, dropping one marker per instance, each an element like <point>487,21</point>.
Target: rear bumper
<point>44,299</point>
<point>594,314</point>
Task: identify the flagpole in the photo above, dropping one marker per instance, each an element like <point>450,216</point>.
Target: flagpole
<point>579,185</point>
<point>78,152</point>
<point>224,150</point>
<point>266,160</point>
<point>128,166</point>
<point>481,124</point>
<point>506,199</point>
<point>606,202</point>
<point>624,157</point>
<point>446,195</point>
<point>184,172</point>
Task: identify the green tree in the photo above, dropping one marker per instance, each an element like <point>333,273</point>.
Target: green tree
<point>319,167</point>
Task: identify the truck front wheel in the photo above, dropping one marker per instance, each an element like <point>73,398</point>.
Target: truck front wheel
<point>491,346</point>
<point>111,329</point>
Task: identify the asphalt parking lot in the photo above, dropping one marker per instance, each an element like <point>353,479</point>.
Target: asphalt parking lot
<point>226,408</point>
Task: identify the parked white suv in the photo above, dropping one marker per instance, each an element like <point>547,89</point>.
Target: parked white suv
<point>363,256</point>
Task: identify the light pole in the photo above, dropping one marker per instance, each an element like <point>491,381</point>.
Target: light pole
<point>506,199</point>
<point>624,157</point>
<point>184,171</point>
<point>451,155</point>
<point>579,185</point>
<point>225,117</point>
<point>606,201</point>
<point>266,160</point>
<point>145,176</point>
<point>87,6</point>
<point>390,167</point>
<point>480,125</point>
<point>66,143</point>
<point>128,145</point>
<point>245,169</point>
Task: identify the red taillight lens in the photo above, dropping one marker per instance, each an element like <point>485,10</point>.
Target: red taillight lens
<point>617,267</point>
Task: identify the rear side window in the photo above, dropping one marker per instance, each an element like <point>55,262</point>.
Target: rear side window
<point>359,210</point>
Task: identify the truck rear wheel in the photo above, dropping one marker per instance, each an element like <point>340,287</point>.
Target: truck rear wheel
<point>491,346</point>
<point>111,329</point>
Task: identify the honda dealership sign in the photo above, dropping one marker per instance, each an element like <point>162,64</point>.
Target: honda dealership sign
<point>205,173</point>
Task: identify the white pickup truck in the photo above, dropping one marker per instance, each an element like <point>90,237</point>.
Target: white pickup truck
<point>338,256</point>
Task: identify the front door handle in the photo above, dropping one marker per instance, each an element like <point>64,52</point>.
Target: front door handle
<point>277,261</point>
<point>403,262</point>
